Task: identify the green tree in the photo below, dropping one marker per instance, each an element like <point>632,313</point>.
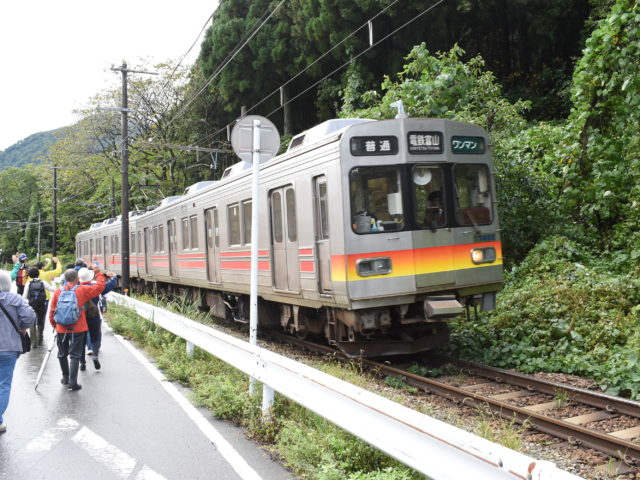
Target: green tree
<point>601,166</point>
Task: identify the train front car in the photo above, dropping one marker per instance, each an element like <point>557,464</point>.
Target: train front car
<point>421,234</point>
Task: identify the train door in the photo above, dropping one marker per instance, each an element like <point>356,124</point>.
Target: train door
<point>173,247</point>
<point>321,220</point>
<point>147,251</point>
<point>213,245</point>
<point>284,239</point>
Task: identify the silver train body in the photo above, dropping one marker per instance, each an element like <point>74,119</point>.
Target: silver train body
<point>372,234</point>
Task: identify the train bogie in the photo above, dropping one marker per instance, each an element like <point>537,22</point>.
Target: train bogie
<point>372,234</point>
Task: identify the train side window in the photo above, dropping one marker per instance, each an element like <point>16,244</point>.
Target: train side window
<point>428,193</point>
<point>323,217</point>
<point>376,199</point>
<point>290,198</point>
<point>246,222</point>
<point>276,215</point>
<point>233,213</point>
<point>185,234</point>
<point>473,197</point>
<point>155,243</point>
<point>161,238</point>
<point>193,222</point>
<point>216,231</point>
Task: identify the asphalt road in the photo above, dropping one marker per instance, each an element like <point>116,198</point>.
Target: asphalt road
<point>123,424</point>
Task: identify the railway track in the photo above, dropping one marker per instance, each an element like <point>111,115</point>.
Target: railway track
<point>538,402</point>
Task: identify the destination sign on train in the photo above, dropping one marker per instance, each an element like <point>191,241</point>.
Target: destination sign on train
<point>467,144</point>
<point>424,142</point>
<point>387,145</point>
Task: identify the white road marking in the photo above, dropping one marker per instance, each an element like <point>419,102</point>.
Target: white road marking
<point>111,457</point>
<point>146,473</point>
<point>233,458</point>
<point>51,437</point>
<point>104,453</point>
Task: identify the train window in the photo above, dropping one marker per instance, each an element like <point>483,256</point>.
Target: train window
<point>473,198</point>
<point>276,215</point>
<point>428,194</point>
<point>290,198</point>
<point>376,199</point>
<point>216,231</point>
<point>185,234</point>
<point>323,217</point>
<point>193,220</point>
<point>161,238</point>
<point>246,222</point>
<point>233,212</point>
<point>155,240</point>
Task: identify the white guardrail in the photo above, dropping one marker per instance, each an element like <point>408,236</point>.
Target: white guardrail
<point>425,444</point>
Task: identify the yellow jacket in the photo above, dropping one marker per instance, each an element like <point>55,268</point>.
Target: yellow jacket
<point>50,275</point>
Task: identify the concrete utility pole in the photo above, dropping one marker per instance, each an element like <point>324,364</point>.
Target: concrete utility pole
<point>124,171</point>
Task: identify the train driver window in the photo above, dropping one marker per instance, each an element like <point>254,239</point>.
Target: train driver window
<point>428,192</point>
<point>376,199</point>
<point>473,198</point>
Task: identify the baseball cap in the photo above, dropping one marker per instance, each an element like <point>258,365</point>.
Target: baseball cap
<point>22,257</point>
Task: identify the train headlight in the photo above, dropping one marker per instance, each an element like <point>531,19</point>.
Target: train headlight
<point>367,267</point>
<point>483,255</point>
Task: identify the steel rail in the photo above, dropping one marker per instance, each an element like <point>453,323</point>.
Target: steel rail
<point>577,435</point>
<point>581,395</point>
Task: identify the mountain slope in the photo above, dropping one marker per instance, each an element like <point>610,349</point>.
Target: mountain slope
<point>29,150</point>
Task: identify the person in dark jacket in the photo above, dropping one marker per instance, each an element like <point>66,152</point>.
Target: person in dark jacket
<point>10,342</point>
<point>37,284</point>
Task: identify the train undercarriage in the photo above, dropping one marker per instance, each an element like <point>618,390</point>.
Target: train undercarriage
<point>373,332</point>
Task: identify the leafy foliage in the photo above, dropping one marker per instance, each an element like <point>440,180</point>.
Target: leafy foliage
<point>561,311</point>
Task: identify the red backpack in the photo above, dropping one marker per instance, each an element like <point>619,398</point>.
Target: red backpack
<point>21,277</point>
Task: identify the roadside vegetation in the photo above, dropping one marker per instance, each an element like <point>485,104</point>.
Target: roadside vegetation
<point>310,446</point>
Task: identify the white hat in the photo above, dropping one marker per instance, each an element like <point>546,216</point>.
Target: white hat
<point>85,275</point>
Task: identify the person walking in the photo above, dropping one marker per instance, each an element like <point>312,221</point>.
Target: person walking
<point>94,316</point>
<point>35,293</point>
<point>71,338</point>
<point>10,342</point>
<point>19,272</point>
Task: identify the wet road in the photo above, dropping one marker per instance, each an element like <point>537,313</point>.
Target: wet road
<point>123,424</point>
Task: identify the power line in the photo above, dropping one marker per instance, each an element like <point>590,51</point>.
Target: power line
<point>219,70</point>
<point>211,135</point>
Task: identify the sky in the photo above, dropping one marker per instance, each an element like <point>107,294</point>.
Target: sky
<point>56,55</point>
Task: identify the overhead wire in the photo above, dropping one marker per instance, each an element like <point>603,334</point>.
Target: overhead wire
<point>220,68</point>
<point>211,135</point>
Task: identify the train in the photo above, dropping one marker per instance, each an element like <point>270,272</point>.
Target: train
<point>374,234</point>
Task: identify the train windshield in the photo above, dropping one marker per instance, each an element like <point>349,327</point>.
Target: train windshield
<point>428,193</point>
<point>376,199</point>
<point>473,198</point>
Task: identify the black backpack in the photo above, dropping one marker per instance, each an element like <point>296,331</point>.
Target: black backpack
<point>37,297</point>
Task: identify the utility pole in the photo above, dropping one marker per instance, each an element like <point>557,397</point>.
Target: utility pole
<point>54,245</point>
<point>39,235</point>
<point>124,171</point>
<point>113,197</point>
